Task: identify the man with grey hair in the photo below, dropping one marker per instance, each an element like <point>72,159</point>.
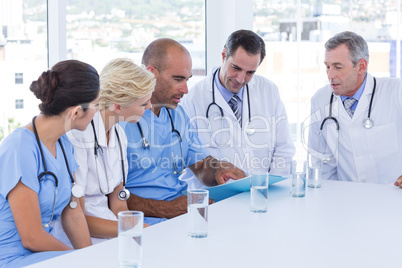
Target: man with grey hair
<point>355,125</point>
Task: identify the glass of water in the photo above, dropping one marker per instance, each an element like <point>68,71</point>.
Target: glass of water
<point>314,171</point>
<point>259,192</point>
<point>298,188</point>
<point>130,227</point>
<point>197,207</point>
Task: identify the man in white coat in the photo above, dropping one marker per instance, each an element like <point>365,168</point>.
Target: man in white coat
<point>367,111</point>
<point>246,124</point>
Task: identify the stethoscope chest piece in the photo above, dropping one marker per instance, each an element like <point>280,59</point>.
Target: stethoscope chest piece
<point>368,123</point>
<point>145,144</point>
<point>77,191</point>
<point>250,130</point>
<point>73,204</point>
<point>124,194</point>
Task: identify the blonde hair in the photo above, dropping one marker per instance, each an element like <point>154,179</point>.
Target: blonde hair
<point>122,82</point>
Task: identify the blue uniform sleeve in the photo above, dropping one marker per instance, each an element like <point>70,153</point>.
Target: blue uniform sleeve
<point>18,161</point>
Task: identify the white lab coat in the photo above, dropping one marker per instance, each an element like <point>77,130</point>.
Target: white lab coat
<point>362,155</point>
<point>270,148</point>
<point>96,202</point>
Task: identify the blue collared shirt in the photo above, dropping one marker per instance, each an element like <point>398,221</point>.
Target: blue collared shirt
<point>227,95</point>
<point>357,95</point>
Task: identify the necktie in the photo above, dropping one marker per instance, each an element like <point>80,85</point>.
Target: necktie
<point>348,103</point>
<point>234,105</point>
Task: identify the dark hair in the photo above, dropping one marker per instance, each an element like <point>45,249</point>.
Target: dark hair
<point>248,40</point>
<point>68,83</point>
<point>357,46</point>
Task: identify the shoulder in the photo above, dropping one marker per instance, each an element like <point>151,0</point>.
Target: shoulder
<point>179,114</point>
<point>21,138</point>
<point>389,82</point>
<point>264,85</point>
<point>66,142</point>
<point>205,84</point>
<point>81,138</point>
<point>322,95</point>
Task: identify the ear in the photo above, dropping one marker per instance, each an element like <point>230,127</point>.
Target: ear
<point>117,108</point>
<point>153,70</point>
<point>362,65</point>
<point>75,112</point>
<point>224,54</point>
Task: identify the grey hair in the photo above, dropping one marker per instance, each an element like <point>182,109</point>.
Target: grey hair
<point>357,46</point>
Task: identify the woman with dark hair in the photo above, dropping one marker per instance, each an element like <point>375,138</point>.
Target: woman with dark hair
<point>37,165</point>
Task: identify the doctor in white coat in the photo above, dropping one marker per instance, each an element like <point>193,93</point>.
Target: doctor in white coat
<point>253,135</point>
<point>101,149</point>
<point>369,146</point>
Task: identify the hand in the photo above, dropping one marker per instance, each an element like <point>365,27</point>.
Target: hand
<point>226,171</point>
<point>178,206</point>
<point>398,182</point>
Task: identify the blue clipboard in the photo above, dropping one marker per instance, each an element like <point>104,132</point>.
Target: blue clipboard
<point>223,191</point>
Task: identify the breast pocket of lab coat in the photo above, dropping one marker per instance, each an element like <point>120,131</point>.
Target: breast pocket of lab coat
<point>383,140</point>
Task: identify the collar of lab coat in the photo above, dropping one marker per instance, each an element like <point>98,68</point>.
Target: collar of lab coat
<point>101,133</point>
<point>221,101</point>
<point>364,102</point>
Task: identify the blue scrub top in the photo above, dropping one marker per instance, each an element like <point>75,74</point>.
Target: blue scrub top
<point>20,160</point>
<point>151,170</point>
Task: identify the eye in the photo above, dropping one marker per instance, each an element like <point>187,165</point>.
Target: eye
<point>236,67</point>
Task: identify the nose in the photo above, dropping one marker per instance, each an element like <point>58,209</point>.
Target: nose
<point>184,88</point>
<point>149,105</point>
<point>330,73</point>
<point>241,77</point>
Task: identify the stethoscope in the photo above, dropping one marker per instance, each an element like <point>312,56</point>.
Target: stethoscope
<point>145,142</point>
<point>76,190</point>
<point>123,194</point>
<point>367,122</point>
<point>250,129</point>
<point>147,145</point>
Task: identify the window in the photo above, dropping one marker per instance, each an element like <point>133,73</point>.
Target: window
<point>98,31</point>
<point>19,104</point>
<point>19,78</point>
<point>295,33</point>
<point>23,57</point>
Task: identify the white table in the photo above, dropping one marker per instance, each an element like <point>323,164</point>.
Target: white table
<point>340,225</point>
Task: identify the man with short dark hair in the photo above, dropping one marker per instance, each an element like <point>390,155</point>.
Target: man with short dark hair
<point>239,116</point>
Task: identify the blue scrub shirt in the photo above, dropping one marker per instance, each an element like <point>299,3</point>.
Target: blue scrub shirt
<point>151,170</point>
<point>20,160</point>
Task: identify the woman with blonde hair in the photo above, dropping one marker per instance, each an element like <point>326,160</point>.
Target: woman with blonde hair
<point>101,150</point>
